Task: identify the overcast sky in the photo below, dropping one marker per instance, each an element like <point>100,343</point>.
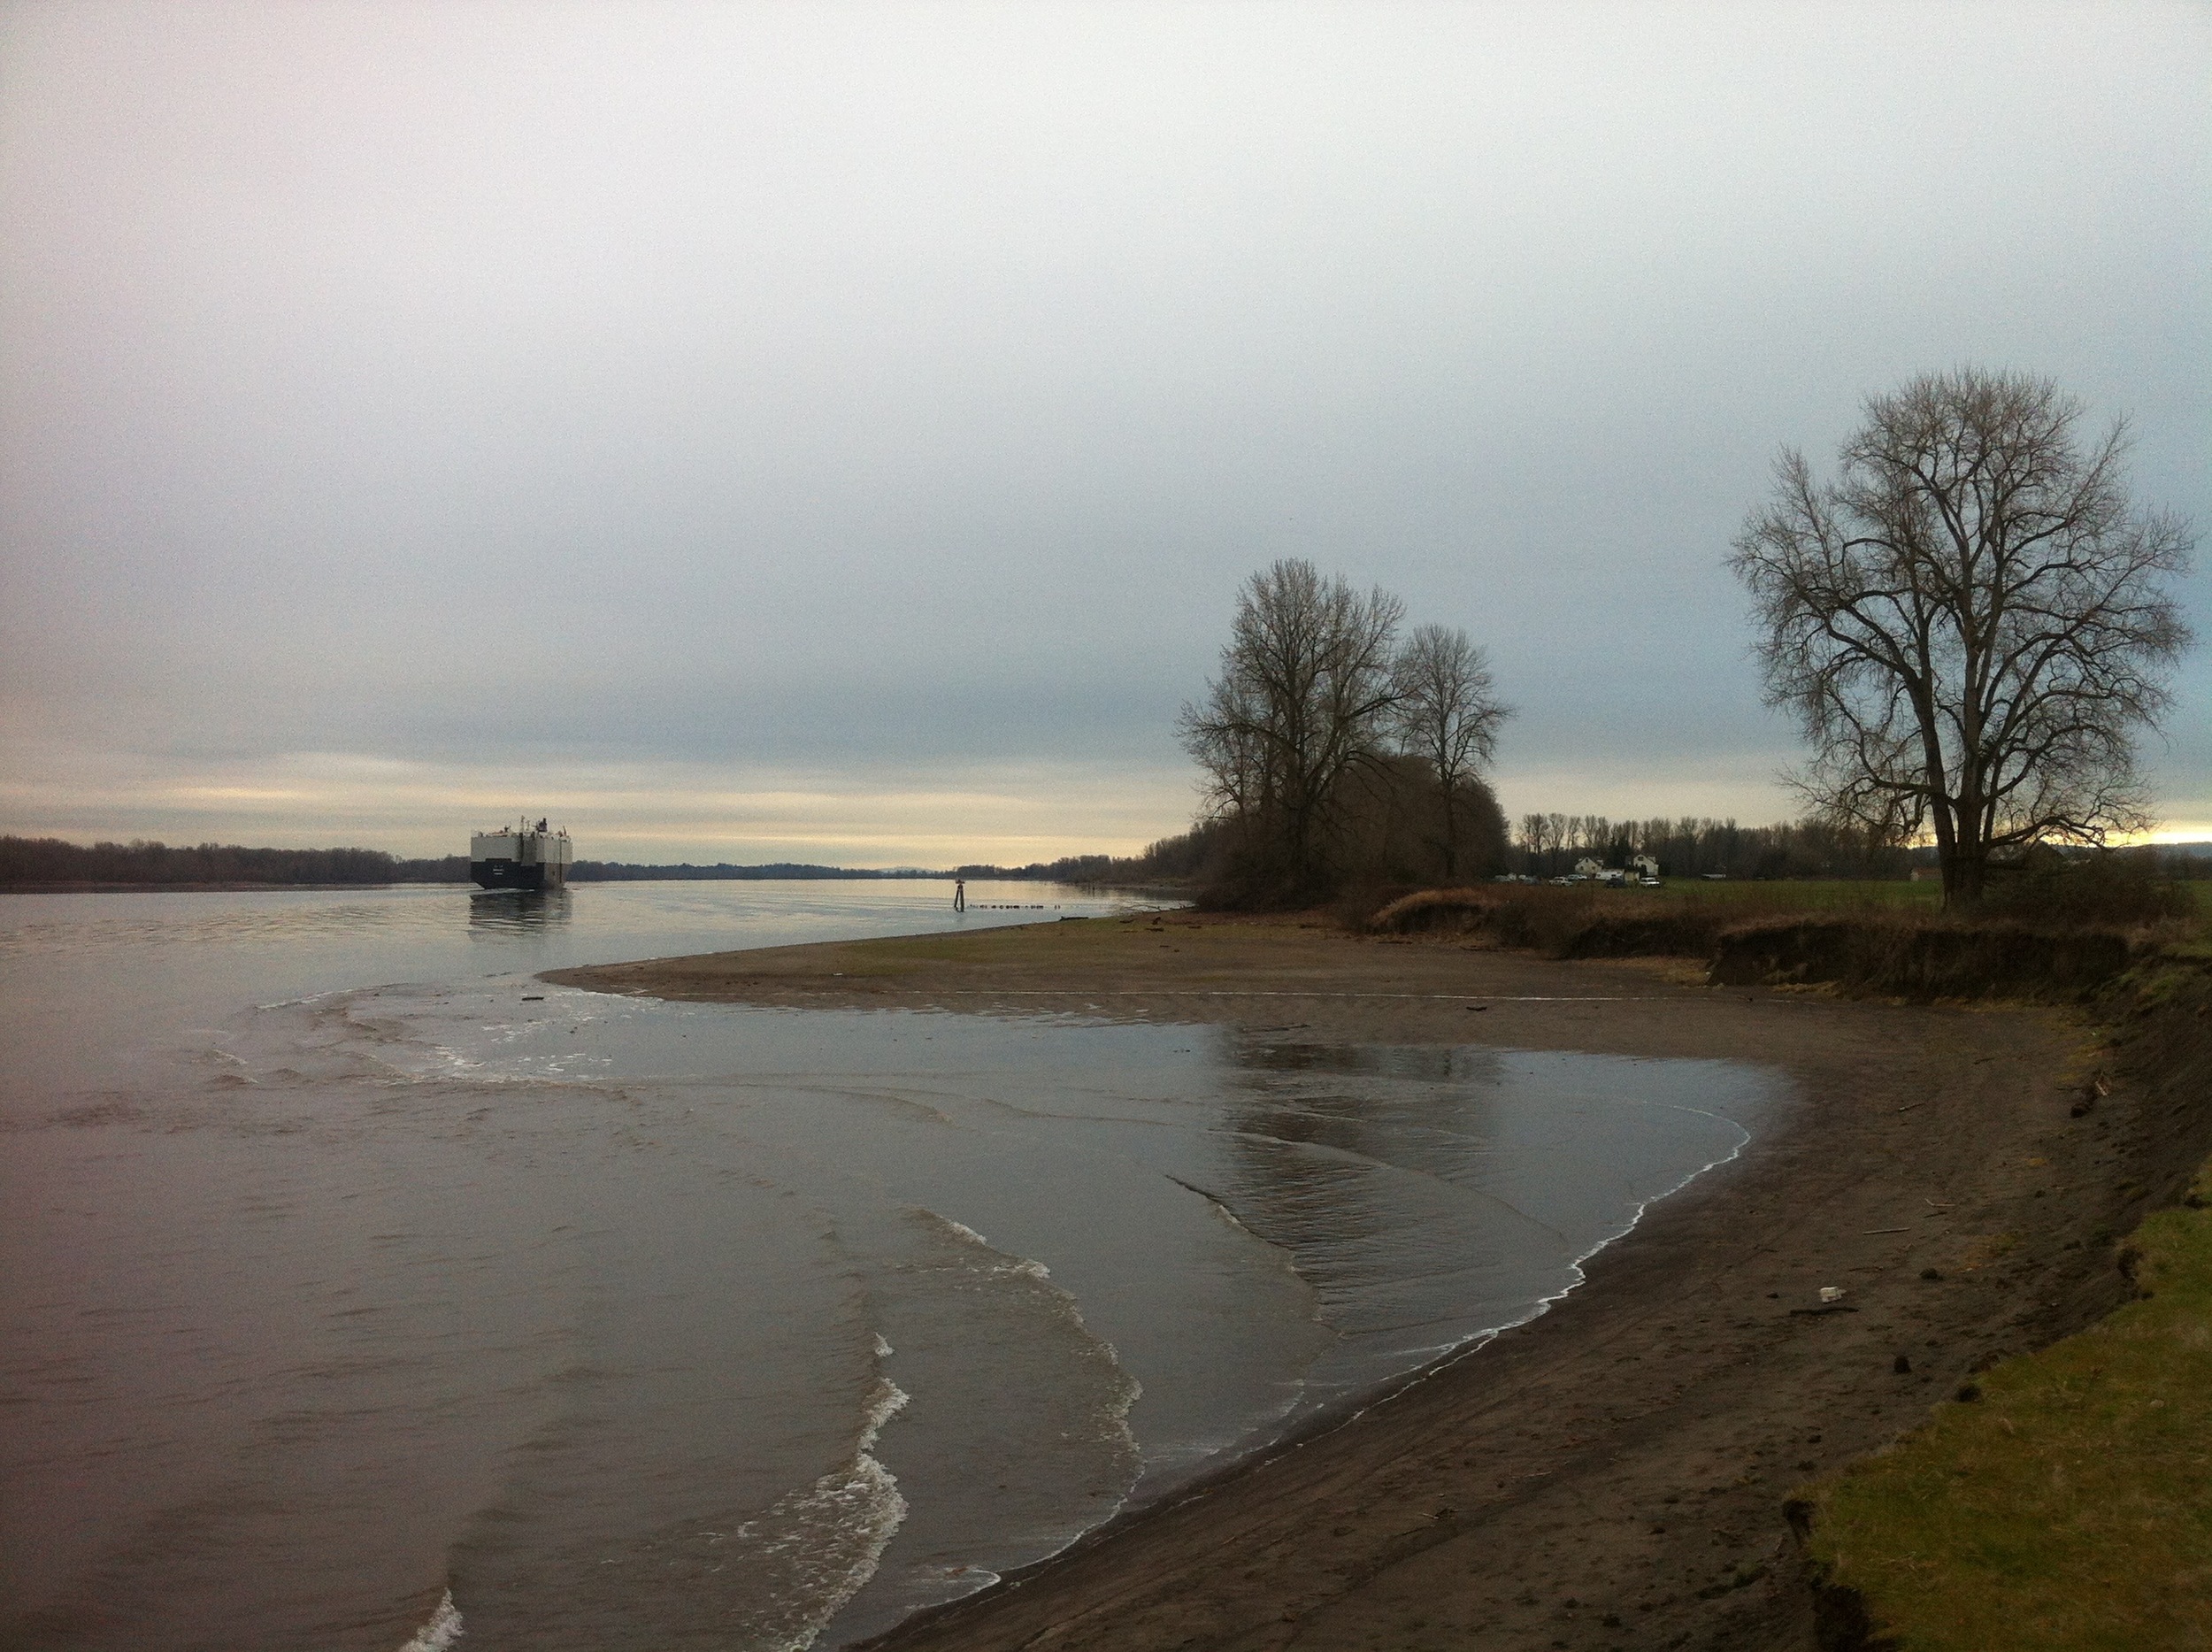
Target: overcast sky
<point>754,432</point>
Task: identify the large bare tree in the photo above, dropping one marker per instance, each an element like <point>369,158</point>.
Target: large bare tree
<point>1302,701</point>
<point>1448,714</point>
<point>1970,622</point>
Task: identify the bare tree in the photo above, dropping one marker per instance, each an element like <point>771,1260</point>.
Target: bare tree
<point>1448,714</point>
<point>1302,698</point>
<point>1970,622</point>
<point>1534,830</point>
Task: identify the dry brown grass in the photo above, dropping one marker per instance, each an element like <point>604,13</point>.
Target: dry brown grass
<point>1927,956</point>
<point>1890,945</point>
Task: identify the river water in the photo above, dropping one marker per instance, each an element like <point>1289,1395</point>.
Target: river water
<point>359,1290</point>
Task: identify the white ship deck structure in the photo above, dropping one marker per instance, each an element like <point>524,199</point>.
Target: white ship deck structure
<point>522,856</point>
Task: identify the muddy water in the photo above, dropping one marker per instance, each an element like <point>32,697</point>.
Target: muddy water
<point>360,1290</point>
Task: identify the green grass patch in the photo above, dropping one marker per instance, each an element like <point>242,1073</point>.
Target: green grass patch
<point>1809,894</point>
<point>2069,1507</point>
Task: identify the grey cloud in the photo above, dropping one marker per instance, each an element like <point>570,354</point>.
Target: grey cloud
<point>816,385</point>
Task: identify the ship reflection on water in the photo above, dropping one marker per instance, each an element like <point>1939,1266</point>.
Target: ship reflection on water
<point>496,914</point>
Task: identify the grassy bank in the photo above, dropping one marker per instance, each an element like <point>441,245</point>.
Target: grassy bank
<point>2062,1501</point>
<point>1887,938</point>
<point>2069,1499</point>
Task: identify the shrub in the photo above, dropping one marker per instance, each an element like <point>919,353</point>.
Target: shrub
<point>1891,949</point>
<point>1923,959</point>
<point>1435,911</point>
<point>1578,923</point>
<point>2118,887</point>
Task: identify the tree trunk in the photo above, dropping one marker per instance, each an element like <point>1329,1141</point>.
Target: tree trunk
<point>1973,871</point>
<point>1965,872</point>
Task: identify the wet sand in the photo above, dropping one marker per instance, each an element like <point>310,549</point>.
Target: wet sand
<point>1612,1474</point>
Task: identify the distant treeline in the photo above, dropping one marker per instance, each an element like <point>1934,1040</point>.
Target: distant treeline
<point>621,872</point>
<point>1115,868</point>
<point>50,860</point>
<point>1546,845</point>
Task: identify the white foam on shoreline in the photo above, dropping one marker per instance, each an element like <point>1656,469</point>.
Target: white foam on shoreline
<point>441,1632</point>
<point>830,1537</point>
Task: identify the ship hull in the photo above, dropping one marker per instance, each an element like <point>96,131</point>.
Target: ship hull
<point>514,874</point>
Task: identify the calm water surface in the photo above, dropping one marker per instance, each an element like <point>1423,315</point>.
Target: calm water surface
<point>359,1290</point>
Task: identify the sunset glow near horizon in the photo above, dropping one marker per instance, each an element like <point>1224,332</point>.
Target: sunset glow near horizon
<point>838,434</point>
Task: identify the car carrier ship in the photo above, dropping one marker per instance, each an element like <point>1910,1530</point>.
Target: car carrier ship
<point>522,856</point>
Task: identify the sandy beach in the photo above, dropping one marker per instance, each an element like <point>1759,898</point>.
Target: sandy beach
<point>1613,1474</point>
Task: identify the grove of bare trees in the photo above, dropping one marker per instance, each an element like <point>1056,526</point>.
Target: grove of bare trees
<point>1970,622</point>
<point>1326,745</point>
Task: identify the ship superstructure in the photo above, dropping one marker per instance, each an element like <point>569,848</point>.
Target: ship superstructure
<point>522,856</point>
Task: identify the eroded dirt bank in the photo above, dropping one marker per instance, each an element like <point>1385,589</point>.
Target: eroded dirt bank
<point>1613,1474</point>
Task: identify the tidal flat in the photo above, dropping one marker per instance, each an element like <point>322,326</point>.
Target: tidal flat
<point>1613,1471</point>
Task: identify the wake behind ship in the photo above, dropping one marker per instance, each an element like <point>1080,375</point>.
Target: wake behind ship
<point>522,856</point>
